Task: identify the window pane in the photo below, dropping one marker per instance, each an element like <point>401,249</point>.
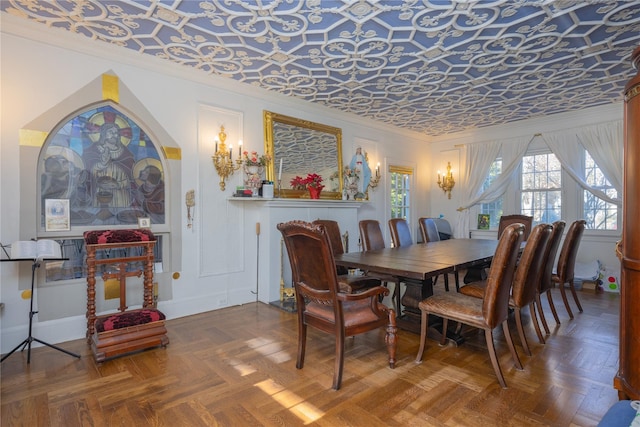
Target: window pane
<point>541,195</point>
<point>493,209</point>
<point>400,195</point>
<point>599,214</point>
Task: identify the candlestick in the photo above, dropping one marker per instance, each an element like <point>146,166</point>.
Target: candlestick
<point>240,147</point>
<point>230,150</point>
<point>280,171</point>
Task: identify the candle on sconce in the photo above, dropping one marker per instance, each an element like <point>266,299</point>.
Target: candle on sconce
<point>216,140</point>
<point>230,151</point>
<point>239,147</point>
<point>378,170</point>
<point>280,171</point>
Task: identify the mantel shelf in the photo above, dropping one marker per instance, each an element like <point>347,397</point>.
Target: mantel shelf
<point>299,203</point>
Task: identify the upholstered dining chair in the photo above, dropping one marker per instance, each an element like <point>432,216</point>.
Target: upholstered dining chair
<point>428,230</point>
<point>486,313</point>
<point>506,220</point>
<point>567,262</point>
<point>430,233</point>
<point>400,232</point>
<point>546,283</point>
<point>321,304</point>
<point>353,283</point>
<point>372,239</point>
<point>526,281</point>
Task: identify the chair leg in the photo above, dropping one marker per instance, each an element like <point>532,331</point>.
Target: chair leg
<point>575,295</point>
<point>443,335</point>
<point>488,334</point>
<point>339,362</point>
<point>553,306</point>
<point>457,278</point>
<point>302,344</point>
<point>391,338</point>
<point>543,319</point>
<point>512,348</point>
<point>423,335</point>
<point>536,325</point>
<point>446,281</point>
<point>564,299</point>
<point>523,338</point>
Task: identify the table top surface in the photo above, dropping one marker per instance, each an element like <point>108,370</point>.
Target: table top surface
<point>421,261</point>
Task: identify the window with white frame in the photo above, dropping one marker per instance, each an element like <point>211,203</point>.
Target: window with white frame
<point>493,209</point>
<point>541,187</point>
<point>599,214</point>
<point>400,191</point>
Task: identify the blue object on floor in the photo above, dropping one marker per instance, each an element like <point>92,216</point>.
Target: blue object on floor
<point>619,415</point>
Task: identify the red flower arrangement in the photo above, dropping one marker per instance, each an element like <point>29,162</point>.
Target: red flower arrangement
<point>312,180</point>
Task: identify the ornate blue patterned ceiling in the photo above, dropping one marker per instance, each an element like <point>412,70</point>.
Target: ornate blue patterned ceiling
<point>430,66</point>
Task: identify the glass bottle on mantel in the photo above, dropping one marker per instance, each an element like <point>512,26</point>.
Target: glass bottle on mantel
<point>627,381</point>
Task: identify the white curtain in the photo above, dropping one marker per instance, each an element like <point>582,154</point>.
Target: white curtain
<point>605,144</point>
<point>479,160</point>
<point>601,143</point>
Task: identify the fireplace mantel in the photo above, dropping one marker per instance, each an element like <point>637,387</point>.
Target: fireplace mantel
<point>273,262</point>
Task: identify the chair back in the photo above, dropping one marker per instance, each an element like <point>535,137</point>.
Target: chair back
<point>335,238</point>
<point>429,230</point>
<point>506,220</point>
<point>400,232</point>
<point>371,235</point>
<point>550,256</point>
<point>495,305</point>
<point>312,262</point>
<point>530,266</point>
<point>569,251</point>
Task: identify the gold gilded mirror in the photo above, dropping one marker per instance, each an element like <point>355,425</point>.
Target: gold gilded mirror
<point>302,147</point>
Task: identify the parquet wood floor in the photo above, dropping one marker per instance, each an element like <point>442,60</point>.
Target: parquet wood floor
<point>236,367</point>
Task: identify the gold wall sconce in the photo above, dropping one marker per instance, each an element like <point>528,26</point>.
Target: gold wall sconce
<point>223,158</point>
<point>447,182</point>
<point>375,179</point>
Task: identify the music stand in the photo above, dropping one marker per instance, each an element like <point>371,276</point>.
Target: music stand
<point>27,342</point>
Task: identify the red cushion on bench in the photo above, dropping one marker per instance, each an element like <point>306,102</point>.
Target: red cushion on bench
<point>128,318</point>
<point>101,237</point>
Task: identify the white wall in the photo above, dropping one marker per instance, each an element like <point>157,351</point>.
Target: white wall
<point>37,76</point>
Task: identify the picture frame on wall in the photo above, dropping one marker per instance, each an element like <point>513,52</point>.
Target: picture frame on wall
<point>56,217</point>
<point>483,221</point>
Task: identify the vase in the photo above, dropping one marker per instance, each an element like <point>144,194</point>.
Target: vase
<point>314,192</point>
<point>253,178</point>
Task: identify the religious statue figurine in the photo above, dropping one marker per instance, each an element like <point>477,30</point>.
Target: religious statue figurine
<point>360,165</point>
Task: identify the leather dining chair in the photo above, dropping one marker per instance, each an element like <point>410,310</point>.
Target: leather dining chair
<point>428,230</point>
<point>372,239</point>
<point>546,283</point>
<point>321,304</point>
<point>430,233</point>
<point>567,262</point>
<point>526,281</point>
<point>506,220</point>
<point>353,283</point>
<point>486,313</point>
<point>400,232</point>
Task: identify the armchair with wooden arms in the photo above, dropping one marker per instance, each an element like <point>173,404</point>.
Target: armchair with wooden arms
<point>322,305</point>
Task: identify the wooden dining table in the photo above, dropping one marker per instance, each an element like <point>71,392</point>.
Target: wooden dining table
<point>416,266</point>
